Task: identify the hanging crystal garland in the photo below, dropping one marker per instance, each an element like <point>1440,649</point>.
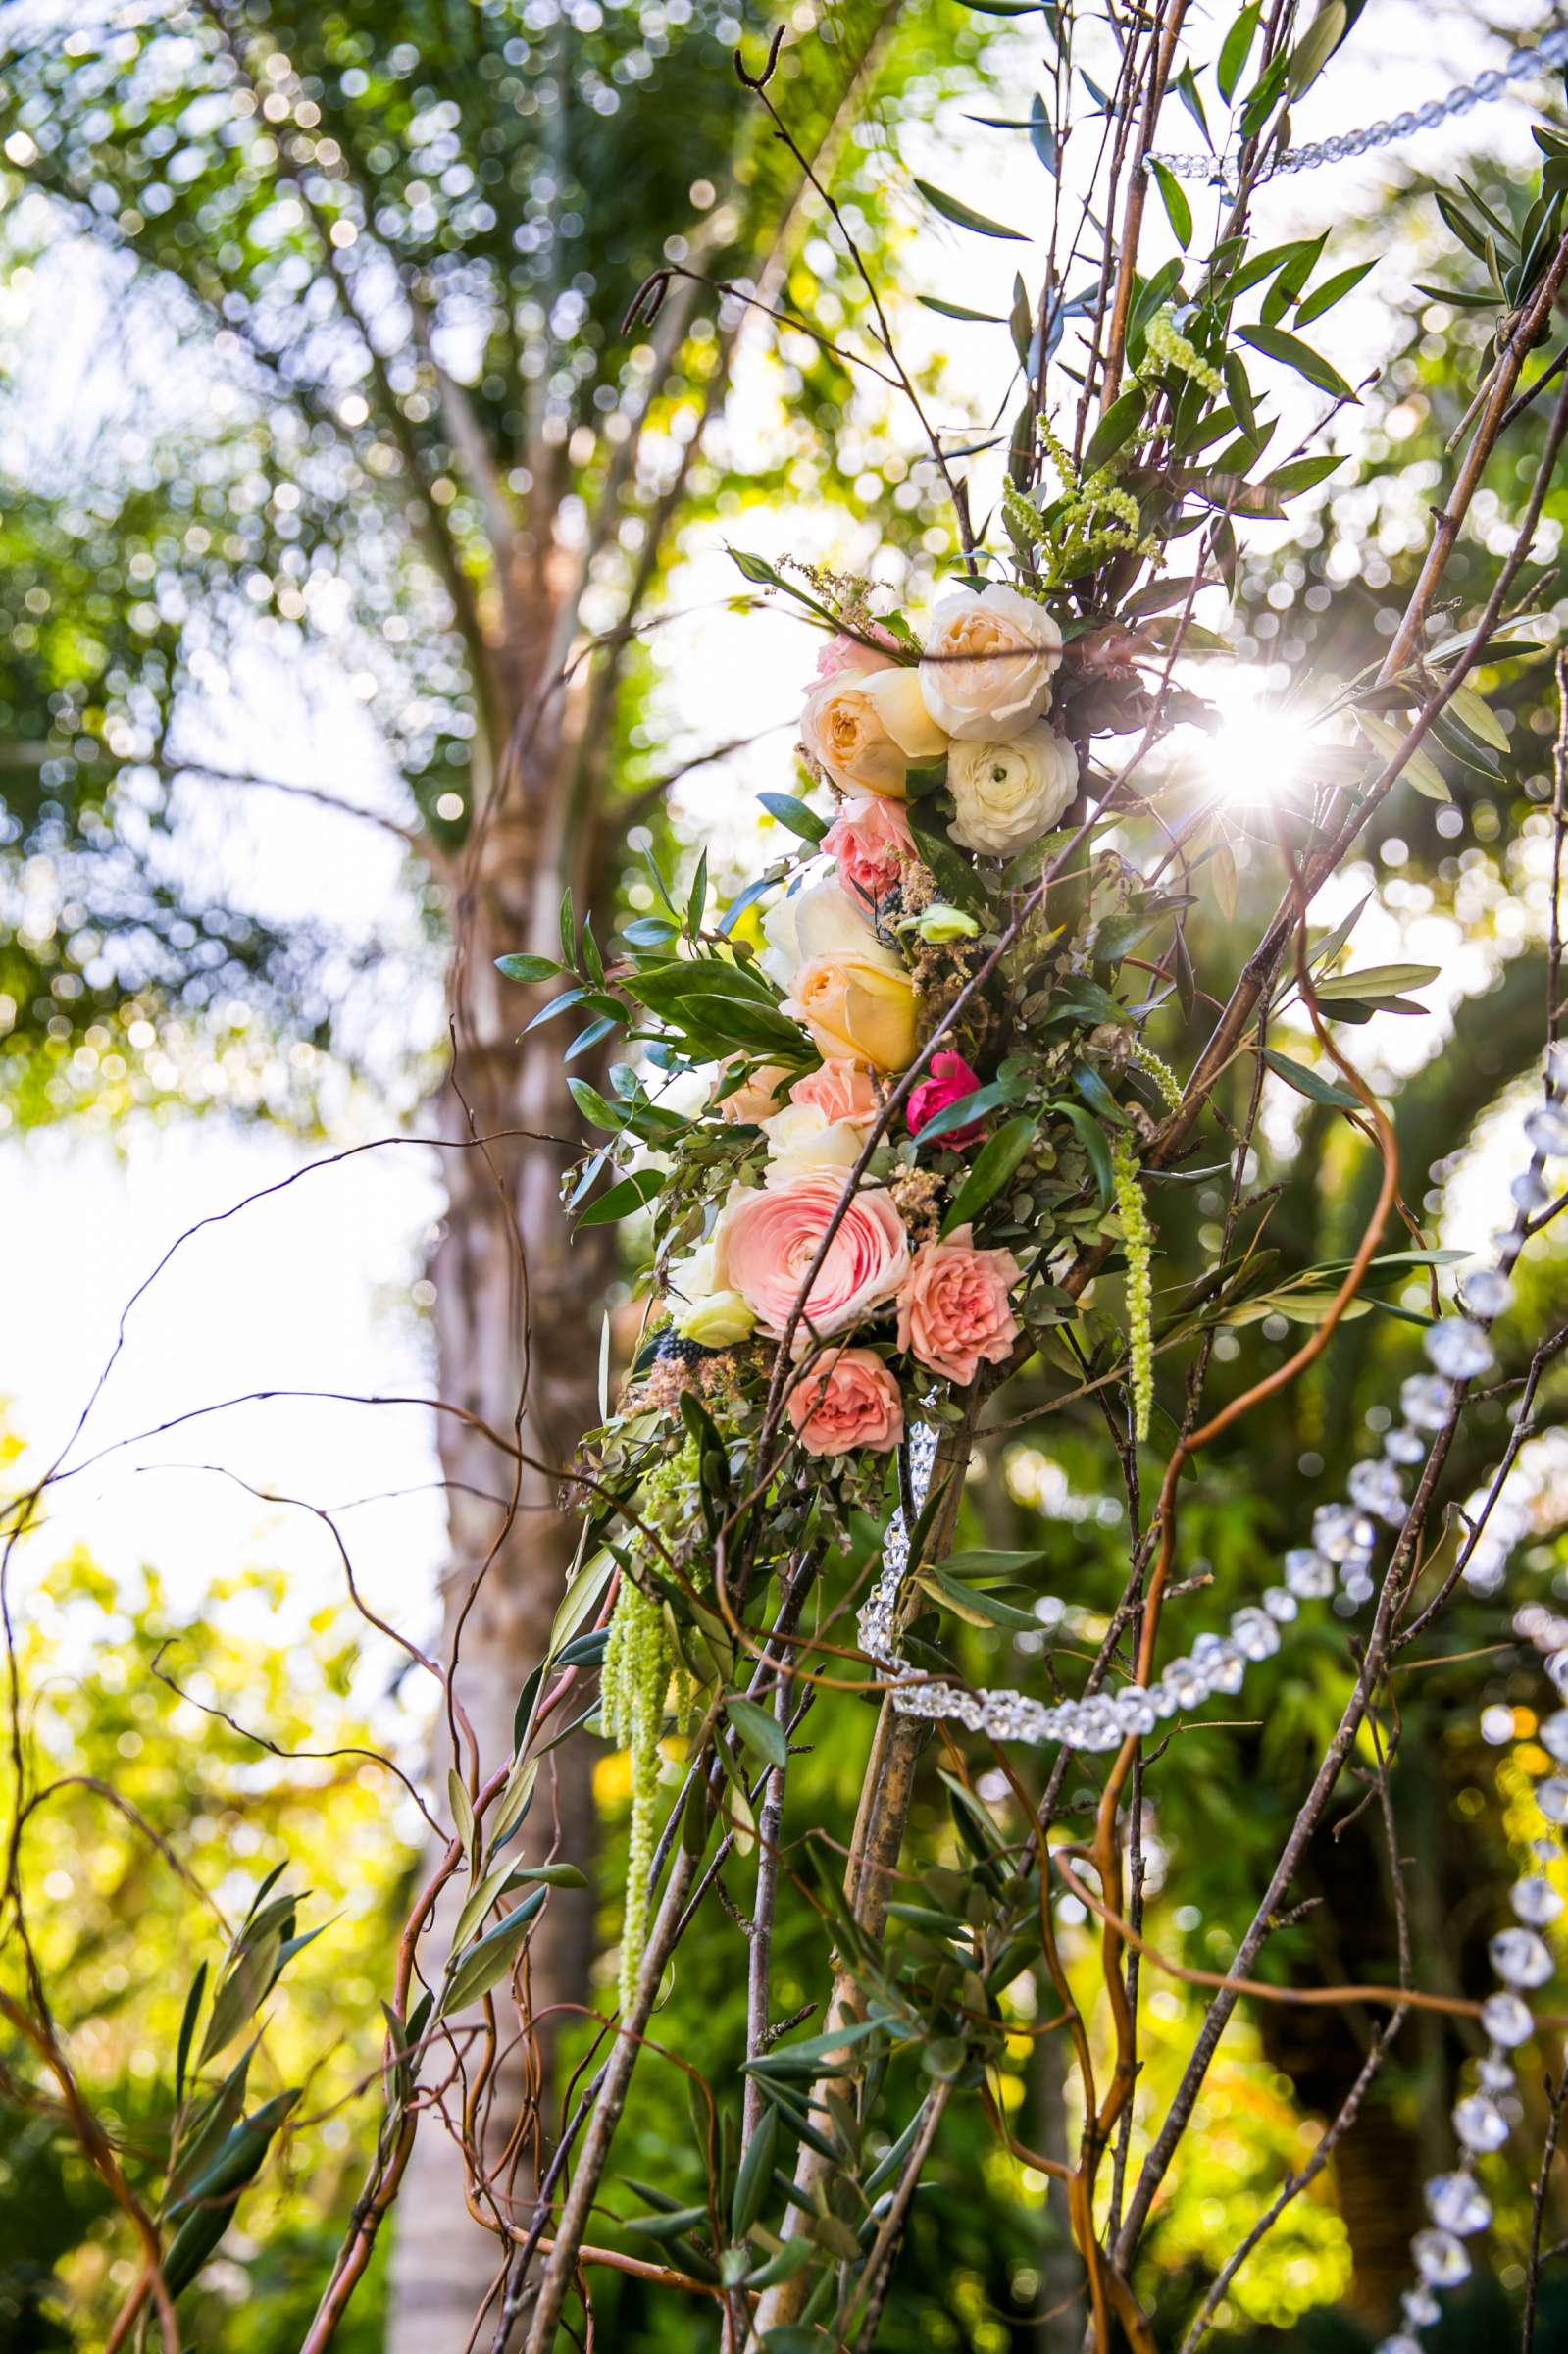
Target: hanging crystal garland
<point>1221,171</point>
<point>1337,1562</point>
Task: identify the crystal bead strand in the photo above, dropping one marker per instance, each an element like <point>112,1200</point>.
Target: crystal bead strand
<point>1220,170</point>
<point>1344,1534</point>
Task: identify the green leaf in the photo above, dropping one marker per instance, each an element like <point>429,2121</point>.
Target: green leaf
<point>1311,1083</point>
<point>1376,981</point>
<point>976,1608</point>
<point>960,214</point>
<point>569,931</point>
<point>1292,352</point>
<point>475,1969</point>
<point>984,1561</point>
<point>462,1807</point>
<point>1092,1136</point>
<point>625,1197</point>
<point>956,878</point>
<point>1473,712</point>
<point>214,2196</point>
<point>1235,50</point>
<point>794,2256</point>
<point>1300,474</point>
<point>754,2179</point>
<point>1333,289</point>
<point>794,814</point>
<point>596,1107</point>
<point>527,968</point>
<point>995,1164</point>
<point>956,310</point>
<point>759,1729</point>
<point>1119,423</point>
<point>1176,209</point>
<point>1421,769</point>
<point>187,2028</point>
<point>1313,51</point>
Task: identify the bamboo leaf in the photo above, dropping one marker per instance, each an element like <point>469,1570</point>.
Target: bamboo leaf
<point>1333,289</point>
<point>1310,1083</point>
<point>1235,50</point>
<point>1421,769</point>
<point>962,217</point>
<point>1473,712</point>
<point>1178,211</point>
<point>1292,352</point>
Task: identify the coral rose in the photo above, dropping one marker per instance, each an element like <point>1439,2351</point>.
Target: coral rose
<point>768,1240</point>
<point>953,1312</point>
<point>759,1095</point>
<point>870,838</point>
<point>950,1078</point>
<point>1006,795</point>
<point>840,1091</point>
<point>865,728</point>
<point>989,663</point>
<point>858,1007</point>
<point>845,656</point>
<point>847,1399</point>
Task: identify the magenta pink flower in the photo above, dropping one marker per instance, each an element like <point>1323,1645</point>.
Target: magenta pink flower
<point>947,1079</point>
<point>849,1399</point>
<point>870,838</point>
<point>953,1309</point>
<point>768,1240</point>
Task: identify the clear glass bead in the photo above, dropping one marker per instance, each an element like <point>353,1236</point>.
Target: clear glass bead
<point>1426,1400</point>
<point>1376,1488</point>
<point>1480,2122</point>
<point>1494,2076</point>
<point>1547,1129</point>
<point>1522,64</point>
<point>1531,1192</point>
<point>1281,1604</point>
<point>1520,1958</point>
<point>1420,2308</point>
<point>1401,2342</point>
<point>1254,1633</point>
<point>1134,1710</point>
<point>1458,1349</point>
<point>1496,1724</point>
<point>1430,115</point>
<point>1557,1669</point>
<point>1220,1662</point>
<point>1404,1446</point>
<point>1439,2259</point>
<point>1457,2203</point>
<point>1507,2020</point>
<point>1554,1735</point>
<point>1307,1575</point>
<point>1339,1532</point>
<point>1486,1292</point>
<point>1488,85</point>
<point>1551,1797</point>
<point>1186,1682</point>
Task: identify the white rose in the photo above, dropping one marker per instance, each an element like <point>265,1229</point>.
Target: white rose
<point>802,1137</point>
<point>822,921</point>
<point>700,1309</point>
<point>1008,795</point>
<point>989,663</point>
<point>865,728</point>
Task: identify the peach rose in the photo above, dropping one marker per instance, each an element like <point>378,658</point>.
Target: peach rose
<point>759,1095</point>
<point>953,1312</point>
<point>857,1006</point>
<point>768,1240</point>
<point>870,838</point>
<point>847,1399</point>
<point>988,662</point>
<point>865,728</point>
<point>840,1091</point>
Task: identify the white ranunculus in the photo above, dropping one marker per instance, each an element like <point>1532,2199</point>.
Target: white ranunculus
<point>700,1308</point>
<point>820,921</point>
<point>802,1137</point>
<point>988,662</point>
<point>1008,795</point>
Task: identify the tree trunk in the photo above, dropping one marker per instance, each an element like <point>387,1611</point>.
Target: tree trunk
<point>518,1322</point>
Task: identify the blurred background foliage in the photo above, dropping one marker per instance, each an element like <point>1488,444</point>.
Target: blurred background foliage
<point>289,500</point>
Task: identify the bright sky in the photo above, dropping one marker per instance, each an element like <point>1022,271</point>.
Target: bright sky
<point>314,1289</point>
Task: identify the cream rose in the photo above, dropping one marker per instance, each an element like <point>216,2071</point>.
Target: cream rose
<point>702,1310</point>
<point>822,921</point>
<point>989,663</point>
<point>802,1137</point>
<point>1008,795</point>
<point>865,730</point>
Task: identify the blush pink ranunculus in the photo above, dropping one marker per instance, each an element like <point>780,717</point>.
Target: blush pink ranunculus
<point>768,1240</point>
<point>840,1091</point>
<point>844,654</point>
<point>948,1077</point>
<point>870,838</point>
<point>847,1399</point>
<point>953,1309</point>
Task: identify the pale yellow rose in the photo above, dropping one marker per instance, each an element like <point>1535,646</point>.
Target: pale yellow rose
<point>1006,795</point>
<point>857,1006</point>
<point>820,921</point>
<point>802,1137</point>
<point>702,1310</point>
<point>989,658</point>
<point>866,731</point>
